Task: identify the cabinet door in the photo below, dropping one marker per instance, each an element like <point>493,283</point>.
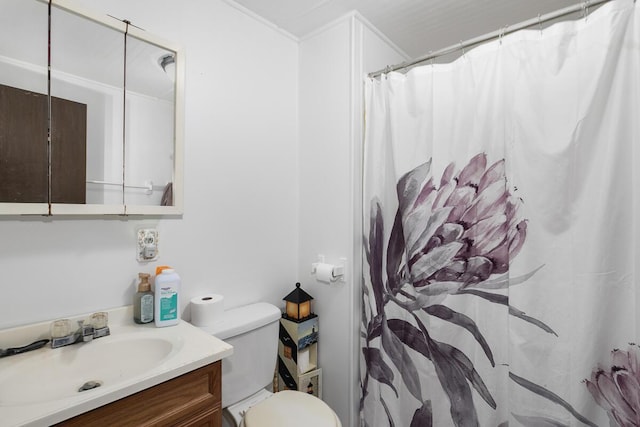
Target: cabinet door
<point>86,88</point>
<point>23,108</point>
<point>193,399</point>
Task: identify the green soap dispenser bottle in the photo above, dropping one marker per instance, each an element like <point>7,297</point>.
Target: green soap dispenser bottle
<point>143,301</point>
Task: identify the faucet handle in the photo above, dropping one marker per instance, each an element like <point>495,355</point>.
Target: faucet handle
<point>99,320</point>
<point>60,328</point>
<point>62,333</point>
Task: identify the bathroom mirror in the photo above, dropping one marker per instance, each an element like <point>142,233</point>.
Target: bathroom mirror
<point>23,107</point>
<point>87,108</point>
<point>114,108</point>
<point>149,125</point>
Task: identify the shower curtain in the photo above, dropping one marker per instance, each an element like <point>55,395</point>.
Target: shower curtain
<point>501,230</point>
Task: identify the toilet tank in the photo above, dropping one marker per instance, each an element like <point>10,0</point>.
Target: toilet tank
<point>252,330</point>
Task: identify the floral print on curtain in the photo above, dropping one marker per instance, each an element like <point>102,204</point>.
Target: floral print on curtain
<point>617,388</point>
<point>449,237</point>
<point>452,238</point>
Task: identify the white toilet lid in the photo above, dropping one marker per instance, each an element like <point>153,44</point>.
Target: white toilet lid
<point>291,409</point>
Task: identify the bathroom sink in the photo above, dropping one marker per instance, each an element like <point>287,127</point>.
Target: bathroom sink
<point>40,388</point>
<point>53,374</point>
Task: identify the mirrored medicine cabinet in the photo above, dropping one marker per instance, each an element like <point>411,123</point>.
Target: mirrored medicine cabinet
<point>91,114</point>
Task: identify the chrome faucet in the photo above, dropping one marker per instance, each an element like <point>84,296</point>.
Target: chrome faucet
<point>86,331</point>
<point>62,335</point>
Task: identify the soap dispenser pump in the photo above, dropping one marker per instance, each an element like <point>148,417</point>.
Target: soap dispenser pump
<point>143,301</point>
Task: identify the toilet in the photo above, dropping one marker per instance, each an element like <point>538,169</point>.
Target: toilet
<point>252,330</point>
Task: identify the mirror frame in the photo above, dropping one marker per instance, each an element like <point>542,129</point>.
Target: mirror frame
<point>56,209</point>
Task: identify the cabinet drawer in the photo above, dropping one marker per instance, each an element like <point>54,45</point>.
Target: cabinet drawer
<point>211,418</point>
<point>192,397</point>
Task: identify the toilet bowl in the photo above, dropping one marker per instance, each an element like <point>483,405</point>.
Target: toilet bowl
<point>283,409</point>
<point>252,330</point>
<point>291,409</point>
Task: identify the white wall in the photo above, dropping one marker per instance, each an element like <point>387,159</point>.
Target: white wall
<point>333,62</point>
<point>325,224</point>
<point>238,235</point>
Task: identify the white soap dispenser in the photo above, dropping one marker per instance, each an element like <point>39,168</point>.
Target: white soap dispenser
<point>167,297</point>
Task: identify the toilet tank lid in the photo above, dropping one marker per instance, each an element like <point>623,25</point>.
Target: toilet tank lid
<point>237,321</point>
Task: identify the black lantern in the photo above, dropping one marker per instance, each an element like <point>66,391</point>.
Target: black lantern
<point>298,306</point>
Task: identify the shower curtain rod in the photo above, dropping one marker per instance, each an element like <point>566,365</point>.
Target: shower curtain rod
<point>584,7</point>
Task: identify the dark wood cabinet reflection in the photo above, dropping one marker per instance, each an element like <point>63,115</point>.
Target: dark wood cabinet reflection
<point>23,148</point>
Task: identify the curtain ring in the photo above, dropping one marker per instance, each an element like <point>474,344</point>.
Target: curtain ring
<point>540,24</point>
<point>585,9</point>
<point>462,48</point>
<point>431,58</point>
<point>503,30</point>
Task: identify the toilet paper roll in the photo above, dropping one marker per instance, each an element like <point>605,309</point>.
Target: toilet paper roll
<point>324,273</point>
<point>206,309</point>
<point>303,361</point>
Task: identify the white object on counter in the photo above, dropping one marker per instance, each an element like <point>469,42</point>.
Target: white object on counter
<point>167,298</point>
<point>206,309</point>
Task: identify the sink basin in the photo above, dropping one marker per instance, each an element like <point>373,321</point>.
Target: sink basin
<point>52,374</point>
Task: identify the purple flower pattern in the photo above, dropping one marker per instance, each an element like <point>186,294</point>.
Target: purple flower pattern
<point>617,389</point>
<point>466,229</point>
<point>457,237</point>
<point>454,238</point>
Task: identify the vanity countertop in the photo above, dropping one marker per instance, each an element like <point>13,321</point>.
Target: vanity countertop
<point>39,388</point>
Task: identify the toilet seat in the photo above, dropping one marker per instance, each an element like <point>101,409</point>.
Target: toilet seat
<point>237,410</point>
<point>291,409</point>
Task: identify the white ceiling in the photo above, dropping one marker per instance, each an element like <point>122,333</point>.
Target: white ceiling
<point>416,26</point>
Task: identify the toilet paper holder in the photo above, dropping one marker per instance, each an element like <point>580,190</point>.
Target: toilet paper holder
<point>337,272</point>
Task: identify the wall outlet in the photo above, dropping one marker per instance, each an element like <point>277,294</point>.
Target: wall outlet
<point>147,247</point>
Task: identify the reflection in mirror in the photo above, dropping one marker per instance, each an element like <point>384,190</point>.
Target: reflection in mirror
<point>23,102</point>
<point>149,123</point>
<point>72,138</point>
<point>87,73</point>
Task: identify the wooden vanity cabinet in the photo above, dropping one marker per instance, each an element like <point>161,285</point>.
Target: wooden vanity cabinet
<point>193,399</point>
